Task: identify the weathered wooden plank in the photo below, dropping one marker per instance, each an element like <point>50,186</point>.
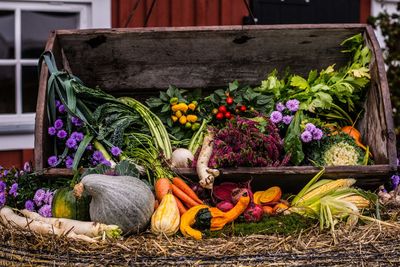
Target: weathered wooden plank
<point>156,59</point>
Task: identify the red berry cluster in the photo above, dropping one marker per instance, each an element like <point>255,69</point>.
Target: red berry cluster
<point>223,113</point>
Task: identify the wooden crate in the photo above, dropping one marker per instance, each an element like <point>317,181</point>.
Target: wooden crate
<point>140,62</point>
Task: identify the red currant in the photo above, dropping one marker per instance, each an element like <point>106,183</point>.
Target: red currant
<point>228,115</point>
<point>243,108</point>
<point>229,100</point>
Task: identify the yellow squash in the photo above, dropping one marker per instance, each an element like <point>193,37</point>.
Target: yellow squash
<point>166,218</point>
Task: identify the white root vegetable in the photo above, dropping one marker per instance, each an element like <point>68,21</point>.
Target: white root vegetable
<point>181,158</point>
<point>206,174</point>
<point>90,229</point>
<point>8,217</point>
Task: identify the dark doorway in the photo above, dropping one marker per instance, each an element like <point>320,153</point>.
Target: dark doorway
<point>306,11</point>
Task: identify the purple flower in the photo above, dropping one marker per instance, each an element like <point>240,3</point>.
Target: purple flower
<point>71,142</point>
<point>52,161</point>
<point>116,151</point>
<point>5,173</point>
<point>39,197</point>
<point>69,162</point>
<point>48,197</point>
<point>2,199</point>
<point>3,186</point>
<point>58,124</point>
<point>293,105</point>
<point>89,147</point>
<point>276,116</point>
<point>27,167</point>
<point>76,121</point>
<point>78,136</point>
<point>61,108</point>
<point>98,156</point>
<point>51,131</point>
<point>106,162</point>
<point>395,181</point>
<point>287,119</point>
<point>306,137</point>
<point>29,205</point>
<point>280,106</point>
<point>45,210</point>
<point>13,190</point>
<point>317,134</point>
<point>61,134</point>
<point>58,103</point>
<point>310,127</point>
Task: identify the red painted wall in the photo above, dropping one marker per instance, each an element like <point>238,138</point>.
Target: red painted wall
<point>15,158</point>
<point>175,13</point>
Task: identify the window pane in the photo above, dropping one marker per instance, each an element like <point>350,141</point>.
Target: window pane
<point>30,86</point>
<point>7,36</point>
<point>36,27</point>
<point>7,89</point>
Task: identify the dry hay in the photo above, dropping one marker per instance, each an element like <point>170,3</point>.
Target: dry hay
<point>366,245</point>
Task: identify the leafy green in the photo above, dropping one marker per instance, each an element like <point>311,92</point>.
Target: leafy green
<point>292,142</point>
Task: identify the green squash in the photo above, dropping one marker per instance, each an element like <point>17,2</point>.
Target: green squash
<point>66,205</point>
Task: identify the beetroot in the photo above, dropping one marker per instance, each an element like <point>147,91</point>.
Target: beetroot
<point>253,213</point>
<point>224,191</point>
<point>225,206</point>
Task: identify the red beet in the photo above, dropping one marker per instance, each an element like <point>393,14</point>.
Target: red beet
<point>225,206</point>
<point>253,213</point>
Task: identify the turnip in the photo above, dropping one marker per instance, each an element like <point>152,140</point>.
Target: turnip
<point>206,174</point>
<point>181,158</point>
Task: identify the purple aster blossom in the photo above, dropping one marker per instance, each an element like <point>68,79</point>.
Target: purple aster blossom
<point>310,127</point>
<point>13,190</point>
<point>3,186</point>
<point>89,147</point>
<point>61,108</point>
<point>71,142</point>
<point>317,134</point>
<point>395,181</point>
<point>116,151</point>
<point>280,106</point>
<point>5,173</point>
<point>29,205</point>
<point>51,131</point>
<point>293,105</point>
<point>27,167</point>
<point>58,124</point>
<point>48,197</point>
<point>58,103</point>
<point>62,134</point>
<point>276,116</point>
<point>2,199</point>
<point>45,210</point>
<point>52,161</point>
<point>39,197</point>
<point>106,162</point>
<point>98,156</point>
<point>287,119</point>
<point>78,136</point>
<point>76,121</point>
<point>306,137</point>
<point>69,162</point>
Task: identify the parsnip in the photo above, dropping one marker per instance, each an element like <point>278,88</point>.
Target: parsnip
<point>91,229</point>
<point>206,174</point>
<point>8,217</point>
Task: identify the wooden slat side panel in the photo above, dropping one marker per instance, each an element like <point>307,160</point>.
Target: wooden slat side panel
<point>42,142</point>
<point>156,59</point>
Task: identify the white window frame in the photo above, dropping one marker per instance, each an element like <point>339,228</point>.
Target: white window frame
<point>16,130</point>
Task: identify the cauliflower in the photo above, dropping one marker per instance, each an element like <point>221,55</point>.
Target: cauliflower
<point>341,154</point>
<point>336,150</point>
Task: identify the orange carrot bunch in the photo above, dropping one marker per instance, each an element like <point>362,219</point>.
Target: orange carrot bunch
<point>185,197</point>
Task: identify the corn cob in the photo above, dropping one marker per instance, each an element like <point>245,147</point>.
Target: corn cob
<point>318,184</point>
<point>324,190</point>
<point>357,200</point>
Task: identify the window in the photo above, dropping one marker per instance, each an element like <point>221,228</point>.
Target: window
<point>24,29</point>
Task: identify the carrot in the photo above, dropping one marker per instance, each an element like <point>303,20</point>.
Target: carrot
<point>188,201</point>
<point>181,207</point>
<point>185,188</point>
<point>162,186</point>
